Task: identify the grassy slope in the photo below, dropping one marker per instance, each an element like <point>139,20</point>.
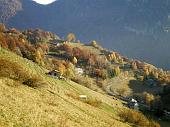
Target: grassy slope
<point>49,106</point>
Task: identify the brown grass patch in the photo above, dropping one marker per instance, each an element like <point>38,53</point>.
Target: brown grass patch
<point>136,118</point>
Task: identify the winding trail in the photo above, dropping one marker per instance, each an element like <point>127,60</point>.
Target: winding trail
<point>116,83</point>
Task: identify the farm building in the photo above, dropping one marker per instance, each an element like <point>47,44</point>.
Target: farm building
<point>54,73</point>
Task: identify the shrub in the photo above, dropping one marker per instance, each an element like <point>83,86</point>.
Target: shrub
<point>34,82</point>
<point>94,43</point>
<point>99,73</point>
<point>122,91</point>
<point>134,66</point>
<point>149,98</point>
<point>71,37</point>
<point>85,81</point>
<point>72,95</point>
<point>136,118</point>
<point>117,70</point>
<point>62,121</point>
<point>154,124</point>
<point>14,71</point>
<point>101,83</point>
<point>2,27</point>
<point>93,102</point>
<point>74,60</point>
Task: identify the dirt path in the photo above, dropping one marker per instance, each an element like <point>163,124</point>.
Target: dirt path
<point>117,83</point>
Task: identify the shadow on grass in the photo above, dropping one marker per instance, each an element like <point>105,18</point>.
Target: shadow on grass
<point>139,87</point>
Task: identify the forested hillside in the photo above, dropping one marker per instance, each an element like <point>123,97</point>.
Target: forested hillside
<point>79,67</point>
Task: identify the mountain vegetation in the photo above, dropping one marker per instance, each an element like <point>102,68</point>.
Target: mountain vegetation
<point>33,96</point>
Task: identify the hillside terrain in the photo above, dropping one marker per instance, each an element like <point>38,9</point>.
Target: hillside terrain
<point>51,104</point>
<point>49,81</point>
<point>31,95</point>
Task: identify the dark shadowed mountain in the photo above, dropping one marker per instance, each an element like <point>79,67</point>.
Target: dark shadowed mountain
<point>136,28</point>
<point>9,8</point>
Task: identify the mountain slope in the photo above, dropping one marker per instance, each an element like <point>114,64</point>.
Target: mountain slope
<point>50,105</point>
<point>9,8</point>
<point>41,82</point>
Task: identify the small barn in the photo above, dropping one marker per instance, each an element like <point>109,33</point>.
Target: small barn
<point>55,73</point>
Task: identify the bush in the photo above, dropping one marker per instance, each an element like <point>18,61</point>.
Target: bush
<point>136,118</point>
<point>93,102</point>
<point>85,81</point>
<point>71,37</point>
<point>94,43</point>
<point>101,83</point>
<point>34,82</point>
<point>14,71</point>
<point>122,91</point>
<point>73,95</point>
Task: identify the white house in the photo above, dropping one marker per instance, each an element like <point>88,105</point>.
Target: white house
<point>136,106</point>
<point>79,71</point>
<point>134,101</point>
<point>133,104</point>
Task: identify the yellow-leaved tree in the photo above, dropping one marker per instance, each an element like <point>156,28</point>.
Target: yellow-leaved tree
<point>71,37</point>
<point>74,60</point>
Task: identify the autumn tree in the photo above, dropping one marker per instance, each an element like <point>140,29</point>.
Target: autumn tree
<point>155,74</point>
<point>3,40</point>
<point>112,57</point>
<point>99,73</point>
<point>71,37</point>
<point>67,48</point>
<point>134,66</point>
<point>18,51</point>
<point>117,71</point>
<point>94,43</point>
<point>146,73</point>
<point>61,68</point>
<point>70,70</point>
<point>39,56</point>
<point>126,73</point>
<point>149,98</point>
<point>122,91</point>
<point>77,52</point>
<point>121,61</point>
<point>74,60</point>
<point>11,43</point>
<point>91,61</point>
<point>2,28</point>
